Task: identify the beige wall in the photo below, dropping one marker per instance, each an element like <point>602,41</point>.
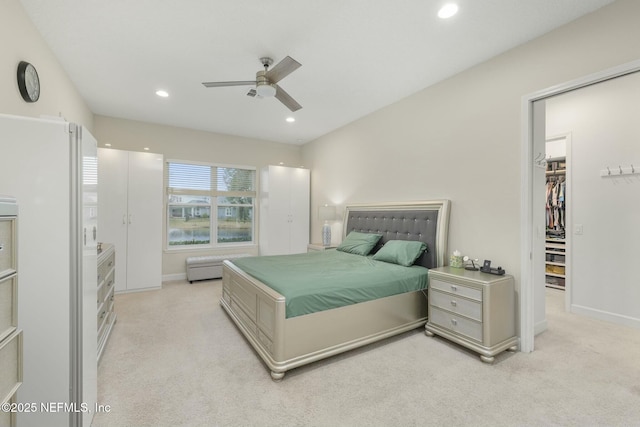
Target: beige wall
<point>461,139</point>
<point>185,144</point>
<point>22,42</point>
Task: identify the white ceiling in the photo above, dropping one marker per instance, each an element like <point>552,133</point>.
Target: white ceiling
<point>357,56</point>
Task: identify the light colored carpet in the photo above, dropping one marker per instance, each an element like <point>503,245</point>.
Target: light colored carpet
<point>175,359</point>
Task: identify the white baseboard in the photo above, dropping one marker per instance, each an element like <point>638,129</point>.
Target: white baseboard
<point>131,291</point>
<point>607,316</point>
<point>540,327</point>
<point>174,277</point>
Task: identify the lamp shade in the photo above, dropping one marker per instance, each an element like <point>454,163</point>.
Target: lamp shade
<point>326,213</point>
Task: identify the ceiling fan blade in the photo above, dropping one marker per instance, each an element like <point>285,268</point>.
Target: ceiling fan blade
<point>282,69</point>
<point>286,99</point>
<point>223,84</point>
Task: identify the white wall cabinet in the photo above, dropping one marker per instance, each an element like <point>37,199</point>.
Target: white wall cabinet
<point>130,207</point>
<point>284,210</point>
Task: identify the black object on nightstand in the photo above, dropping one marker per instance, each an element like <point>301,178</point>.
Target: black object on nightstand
<point>486,268</point>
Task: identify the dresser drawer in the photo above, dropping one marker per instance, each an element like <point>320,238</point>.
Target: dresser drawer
<point>106,287</point>
<point>458,324</point>
<point>8,308</point>
<point>10,365</point>
<point>456,289</point>
<point>102,315</point>
<point>8,418</point>
<point>456,304</point>
<point>7,246</point>
<point>105,266</point>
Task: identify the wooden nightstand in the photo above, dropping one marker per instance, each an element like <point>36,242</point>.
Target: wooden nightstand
<point>473,309</point>
<point>318,247</point>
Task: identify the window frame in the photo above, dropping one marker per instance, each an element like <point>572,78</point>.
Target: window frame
<point>213,194</point>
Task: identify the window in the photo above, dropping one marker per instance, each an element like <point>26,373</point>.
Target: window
<point>195,190</point>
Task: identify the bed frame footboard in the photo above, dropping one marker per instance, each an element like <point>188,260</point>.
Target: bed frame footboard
<point>283,344</point>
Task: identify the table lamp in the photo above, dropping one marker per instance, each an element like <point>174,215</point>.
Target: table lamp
<point>326,213</point>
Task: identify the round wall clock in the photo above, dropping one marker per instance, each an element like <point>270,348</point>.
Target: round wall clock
<point>28,82</point>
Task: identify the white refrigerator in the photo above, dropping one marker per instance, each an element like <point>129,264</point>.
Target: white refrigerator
<point>50,167</point>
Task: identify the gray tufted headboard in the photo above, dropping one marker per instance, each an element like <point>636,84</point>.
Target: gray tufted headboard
<point>426,221</point>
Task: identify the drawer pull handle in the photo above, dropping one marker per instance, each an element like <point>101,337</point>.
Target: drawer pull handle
<point>454,322</point>
<point>102,314</point>
<point>454,288</point>
<point>454,303</point>
<point>110,283</point>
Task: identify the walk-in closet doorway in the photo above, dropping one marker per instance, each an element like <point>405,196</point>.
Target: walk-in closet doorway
<point>539,110</point>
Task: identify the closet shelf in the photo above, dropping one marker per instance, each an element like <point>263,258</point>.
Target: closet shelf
<point>561,264</point>
<point>557,172</point>
<point>555,246</point>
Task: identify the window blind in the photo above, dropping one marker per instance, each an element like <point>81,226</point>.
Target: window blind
<point>210,179</point>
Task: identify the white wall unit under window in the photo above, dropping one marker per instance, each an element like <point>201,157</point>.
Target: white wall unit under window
<point>284,210</point>
<point>130,215</point>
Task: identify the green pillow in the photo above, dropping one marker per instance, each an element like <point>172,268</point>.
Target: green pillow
<point>403,252</point>
<point>359,243</point>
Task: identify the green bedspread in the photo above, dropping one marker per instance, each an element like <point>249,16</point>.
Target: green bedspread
<point>322,280</point>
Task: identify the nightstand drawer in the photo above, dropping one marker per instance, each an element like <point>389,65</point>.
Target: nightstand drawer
<point>456,289</point>
<point>456,304</point>
<point>458,324</point>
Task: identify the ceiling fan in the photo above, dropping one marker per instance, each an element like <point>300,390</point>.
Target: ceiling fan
<point>266,81</point>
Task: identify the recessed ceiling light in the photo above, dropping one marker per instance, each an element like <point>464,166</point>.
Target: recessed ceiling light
<point>162,93</point>
<point>448,10</point>
<point>281,163</point>
<point>107,145</point>
<point>291,119</point>
<point>146,148</point>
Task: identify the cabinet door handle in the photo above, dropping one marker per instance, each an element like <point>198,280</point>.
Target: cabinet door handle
<point>95,233</point>
<point>124,218</point>
<point>454,288</point>
<point>454,322</point>
<point>84,237</point>
<point>1,246</point>
<point>130,218</point>
<point>454,303</point>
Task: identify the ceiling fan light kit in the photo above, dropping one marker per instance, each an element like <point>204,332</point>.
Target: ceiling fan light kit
<point>266,81</point>
<point>265,89</point>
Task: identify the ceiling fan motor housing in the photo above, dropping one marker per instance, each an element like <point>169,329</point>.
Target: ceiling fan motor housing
<point>263,86</point>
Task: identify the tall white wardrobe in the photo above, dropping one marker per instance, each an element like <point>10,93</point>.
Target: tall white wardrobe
<point>284,210</point>
<point>130,206</point>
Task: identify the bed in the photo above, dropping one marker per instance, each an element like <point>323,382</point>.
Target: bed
<point>285,341</point>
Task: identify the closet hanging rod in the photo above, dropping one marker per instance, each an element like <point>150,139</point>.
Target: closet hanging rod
<point>613,171</point>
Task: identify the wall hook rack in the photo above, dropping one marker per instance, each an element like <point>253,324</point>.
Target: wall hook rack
<point>540,161</point>
<point>631,170</point>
